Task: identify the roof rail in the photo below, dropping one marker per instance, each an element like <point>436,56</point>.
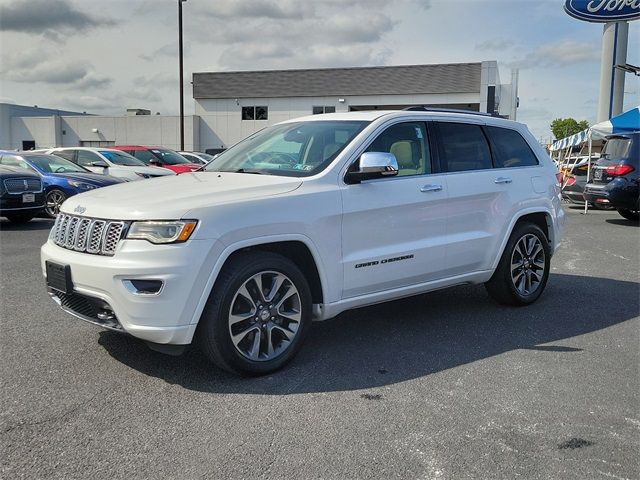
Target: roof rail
<point>425,108</point>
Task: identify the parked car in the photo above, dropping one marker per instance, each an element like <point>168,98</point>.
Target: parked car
<point>306,219</point>
<point>110,162</point>
<point>214,151</point>
<point>21,194</point>
<point>160,157</point>
<point>616,176</point>
<point>575,180</point>
<point>61,178</point>
<point>197,157</point>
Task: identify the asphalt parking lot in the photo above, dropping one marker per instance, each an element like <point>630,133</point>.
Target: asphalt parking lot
<point>444,385</point>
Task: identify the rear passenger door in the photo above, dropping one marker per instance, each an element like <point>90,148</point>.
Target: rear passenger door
<point>480,197</point>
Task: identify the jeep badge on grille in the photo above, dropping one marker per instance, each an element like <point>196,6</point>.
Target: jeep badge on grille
<point>79,209</point>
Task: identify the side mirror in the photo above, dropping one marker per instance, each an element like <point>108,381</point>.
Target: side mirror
<point>374,165</point>
<point>100,164</point>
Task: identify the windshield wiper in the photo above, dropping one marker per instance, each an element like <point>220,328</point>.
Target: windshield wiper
<point>246,170</point>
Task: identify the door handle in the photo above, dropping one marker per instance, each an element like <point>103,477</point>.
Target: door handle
<point>502,180</point>
<point>430,188</point>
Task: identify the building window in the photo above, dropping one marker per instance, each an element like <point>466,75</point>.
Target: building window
<point>320,110</point>
<point>255,113</point>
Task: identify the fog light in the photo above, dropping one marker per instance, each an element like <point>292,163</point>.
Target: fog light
<point>143,287</point>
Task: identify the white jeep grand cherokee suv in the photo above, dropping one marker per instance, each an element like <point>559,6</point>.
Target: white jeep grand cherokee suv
<point>304,220</point>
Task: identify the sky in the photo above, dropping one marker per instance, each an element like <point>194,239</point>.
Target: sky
<point>109,55</point>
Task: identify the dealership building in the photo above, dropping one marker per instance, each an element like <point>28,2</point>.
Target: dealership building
<point>229,106</point>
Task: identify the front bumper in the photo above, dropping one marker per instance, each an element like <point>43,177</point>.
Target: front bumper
<point>164,318</point>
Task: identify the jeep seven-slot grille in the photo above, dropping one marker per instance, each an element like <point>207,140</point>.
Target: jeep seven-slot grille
<point>88,235</point>
<point>23,185</point>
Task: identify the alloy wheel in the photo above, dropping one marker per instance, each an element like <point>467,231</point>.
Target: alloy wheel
<point>54,202</point>
<point>527,264</point>
<point>265,315</point>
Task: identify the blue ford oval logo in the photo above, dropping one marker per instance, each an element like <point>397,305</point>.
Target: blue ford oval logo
<point>603,10</point>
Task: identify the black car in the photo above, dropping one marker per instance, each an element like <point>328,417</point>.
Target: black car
<point>21,194</point>
<point>616,176</point>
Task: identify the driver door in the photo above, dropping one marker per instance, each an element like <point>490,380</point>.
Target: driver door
<point>85,158</point>
<point>393,229</point>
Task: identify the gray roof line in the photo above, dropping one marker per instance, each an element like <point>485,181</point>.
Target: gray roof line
<point>391,80</point>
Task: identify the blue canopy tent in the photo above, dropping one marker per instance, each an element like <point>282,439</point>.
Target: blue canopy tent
<point>626,122</point>
<point>572,141</point>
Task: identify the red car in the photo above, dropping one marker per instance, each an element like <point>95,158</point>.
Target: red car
<point>160,157</point>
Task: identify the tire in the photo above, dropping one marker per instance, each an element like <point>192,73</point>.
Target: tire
<point>55,199</point>
<point>233,317</point>
<point>527,281</point>
<point>20,219</point>
<point>632,215</point>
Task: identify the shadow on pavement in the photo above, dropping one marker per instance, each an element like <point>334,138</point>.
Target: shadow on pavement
<point>622,221</point>
<point>35,224</point>
<point>409,338</point>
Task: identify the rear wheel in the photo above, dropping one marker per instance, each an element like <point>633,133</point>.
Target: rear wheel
<point>257,315</point>
<point>523,269</point>
<point>632,215</point>
<point>19,219</point>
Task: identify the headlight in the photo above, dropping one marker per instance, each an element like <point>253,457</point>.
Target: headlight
<point>162,232</point>
<point>82,185</point>
<point>143,175</point>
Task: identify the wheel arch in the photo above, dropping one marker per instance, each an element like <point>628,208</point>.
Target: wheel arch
<point>297,248</point>
<point>540,217</point>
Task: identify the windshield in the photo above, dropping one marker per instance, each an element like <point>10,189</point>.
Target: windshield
<point>120,158</point>
<point>616,148</point>
<point>54,164</point>
<point>293,149</point>
<point>169,157</point>
<point>205,156</point>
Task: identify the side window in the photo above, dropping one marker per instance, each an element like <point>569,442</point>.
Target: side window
<point>463,147</point>
<point>510,149</point>
<point>145,155</point>
<point>408,142</point>
<point>86,158</point>
<point>66,154</point>
<point>255,113</point>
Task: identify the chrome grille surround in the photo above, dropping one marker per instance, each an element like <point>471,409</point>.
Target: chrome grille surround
<point>23,185</point>
<point>87,235</point>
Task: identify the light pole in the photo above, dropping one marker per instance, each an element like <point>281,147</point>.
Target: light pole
<point>181,74</point>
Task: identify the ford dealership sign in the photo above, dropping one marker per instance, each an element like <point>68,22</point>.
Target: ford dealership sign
<point>603,10</point>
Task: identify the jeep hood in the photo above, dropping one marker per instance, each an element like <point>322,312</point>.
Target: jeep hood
<point>171,197</point>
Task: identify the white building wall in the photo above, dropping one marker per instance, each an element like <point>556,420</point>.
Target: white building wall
<point>221,123</point>
<point>71,131</point>
<point>40,129</point>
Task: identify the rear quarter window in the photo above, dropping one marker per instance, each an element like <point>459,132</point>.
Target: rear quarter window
<point>510,149</point>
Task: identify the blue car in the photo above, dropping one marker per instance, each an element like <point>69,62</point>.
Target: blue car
<point>61,178</point>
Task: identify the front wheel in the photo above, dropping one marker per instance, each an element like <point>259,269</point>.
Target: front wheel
<point>55,199</point>
<point>523,269</point>
<point>257,315</point>
<point>632,215</point>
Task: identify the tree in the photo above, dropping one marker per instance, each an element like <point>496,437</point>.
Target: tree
<point>565,127</point>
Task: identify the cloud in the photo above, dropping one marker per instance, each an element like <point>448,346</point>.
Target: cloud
<point>561,53</point>
<point>47,65</point>
<point>168,50</point>
<point>324,33</point>
<point>291,9</point>
<point>495,44</point>
<point>47,17</point>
